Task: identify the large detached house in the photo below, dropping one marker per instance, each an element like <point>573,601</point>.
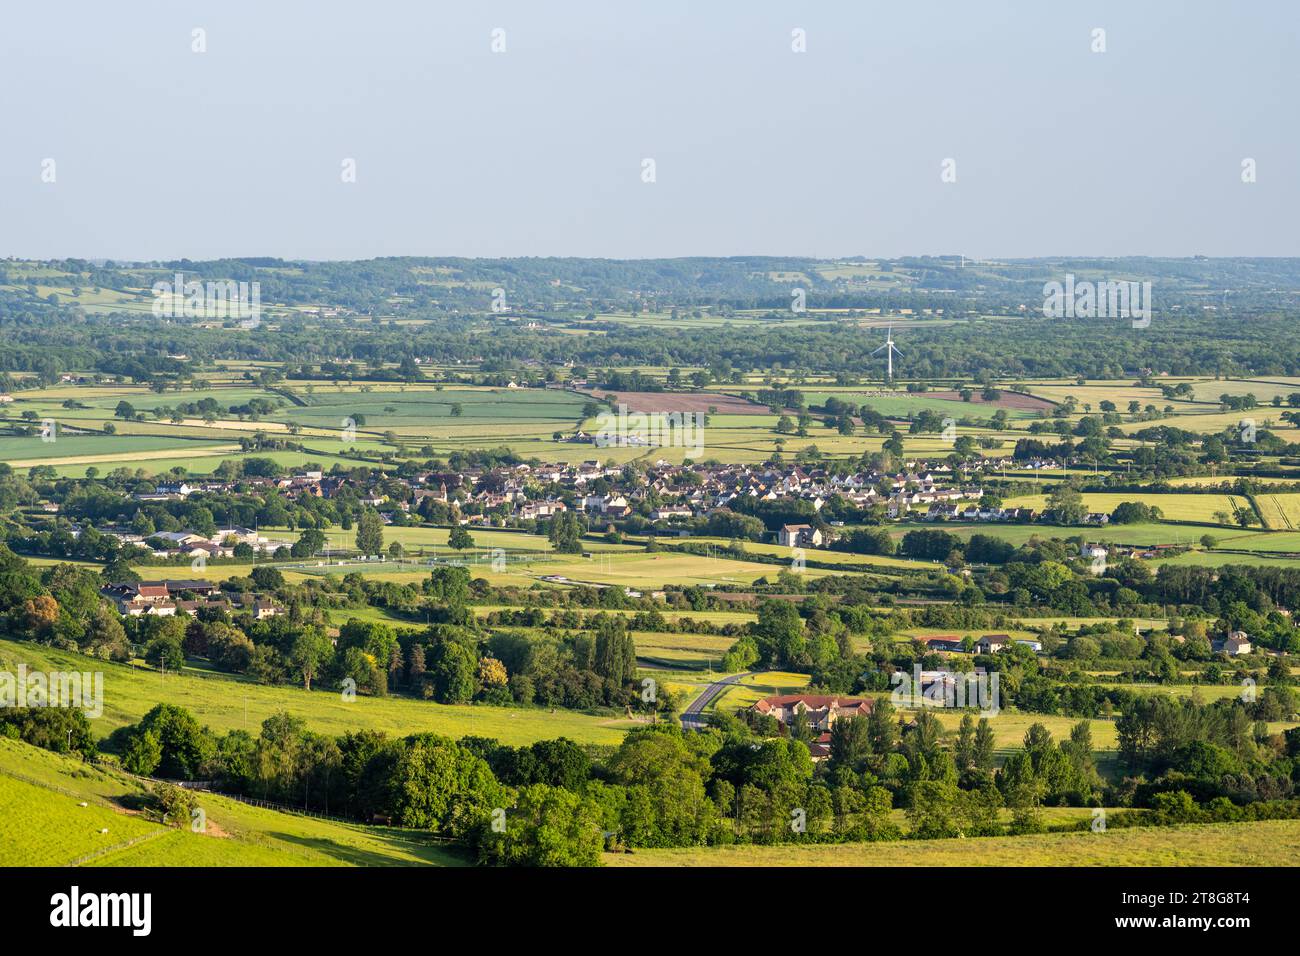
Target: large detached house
<point>1235,644</point>
<point>822,710</point>
<point>799,536</point>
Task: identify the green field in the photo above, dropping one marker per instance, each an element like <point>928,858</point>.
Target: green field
<point>42,823</point>
<point>1217,559</point>
<point>1269,843</point>
<point>1147,535</point>
<point>92,449</point>
<point>419,417</point>
<point>903,404</point>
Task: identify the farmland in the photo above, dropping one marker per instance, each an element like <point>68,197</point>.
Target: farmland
<point>1274,843</point>
<point>425,482</point>
<point>434,540</point>
<point>1200,509</point>
<point>345,422</point>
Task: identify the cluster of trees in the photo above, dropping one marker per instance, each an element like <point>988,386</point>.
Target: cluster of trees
<point>1208,750</point>
<point>453,660</point>
<point>59,605</point>
<point>556,803</point>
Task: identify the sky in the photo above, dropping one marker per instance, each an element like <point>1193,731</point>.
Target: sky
<point>987,129</point>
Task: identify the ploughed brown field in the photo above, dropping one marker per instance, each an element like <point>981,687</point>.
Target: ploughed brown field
<point>647,402</point>
<point>1005,400</point>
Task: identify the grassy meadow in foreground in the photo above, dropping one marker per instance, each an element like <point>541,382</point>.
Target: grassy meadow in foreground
<point>1268,843</point>
<point>43,823</point>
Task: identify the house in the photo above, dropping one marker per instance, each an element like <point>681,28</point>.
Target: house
<point>992,643</point>
<point>822,710</point>
<point>799,536</point>
<point>541,509</point>
<point>666,512</point>
<point>259,608</point>
<point>237,535</point>
<point>1235,644</point>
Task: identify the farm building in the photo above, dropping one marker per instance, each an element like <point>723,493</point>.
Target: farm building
<point>951,644</point>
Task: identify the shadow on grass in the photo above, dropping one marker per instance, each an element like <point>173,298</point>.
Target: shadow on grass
<point>428,854</point>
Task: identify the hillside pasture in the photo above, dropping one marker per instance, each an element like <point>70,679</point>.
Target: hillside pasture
<point>42,823</point>
<point>228,702</point>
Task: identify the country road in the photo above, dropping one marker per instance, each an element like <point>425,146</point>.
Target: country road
<point>693,717</point>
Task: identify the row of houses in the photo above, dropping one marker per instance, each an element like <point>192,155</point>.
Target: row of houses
<point>193,544</point>
<point>988,644</point>
<point>939,512</point>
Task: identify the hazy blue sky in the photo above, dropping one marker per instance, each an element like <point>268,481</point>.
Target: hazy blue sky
<point>161,152</point>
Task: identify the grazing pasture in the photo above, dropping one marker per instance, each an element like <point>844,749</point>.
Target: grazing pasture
<point>43,823</point>
<point>1267,843</point>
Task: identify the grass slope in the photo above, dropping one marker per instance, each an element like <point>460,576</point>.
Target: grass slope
<point>42,823</point>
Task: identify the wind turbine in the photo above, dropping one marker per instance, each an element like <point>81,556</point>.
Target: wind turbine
<point>889,350</point>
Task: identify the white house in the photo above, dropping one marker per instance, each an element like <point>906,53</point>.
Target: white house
<point>799,536</point>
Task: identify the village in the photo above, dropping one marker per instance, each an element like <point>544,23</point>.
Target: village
<point>664,498</point>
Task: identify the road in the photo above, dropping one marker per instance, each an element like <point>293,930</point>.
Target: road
<point>693,717</point>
